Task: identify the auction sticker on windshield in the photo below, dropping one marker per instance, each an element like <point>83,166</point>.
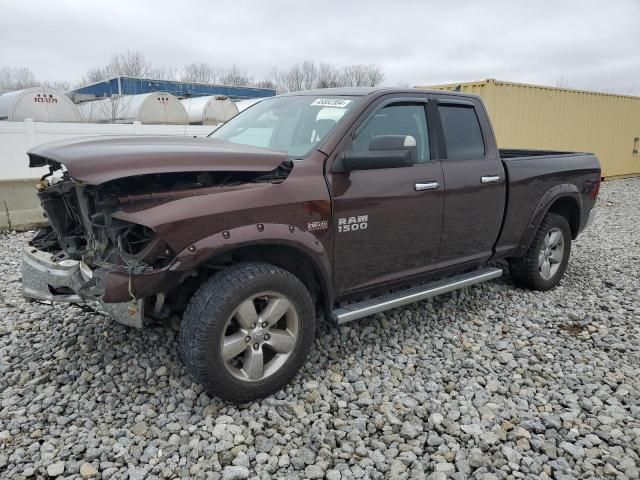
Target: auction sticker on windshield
<point>331,102</point>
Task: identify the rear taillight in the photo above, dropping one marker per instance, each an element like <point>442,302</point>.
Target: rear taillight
<point>595,189</point>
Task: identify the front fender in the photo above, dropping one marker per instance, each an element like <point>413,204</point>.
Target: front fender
<point>254,235</point>
<point>118,286</point>
<point>553,194</point>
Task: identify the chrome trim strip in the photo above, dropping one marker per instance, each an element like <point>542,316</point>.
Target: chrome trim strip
<point>371,307</point>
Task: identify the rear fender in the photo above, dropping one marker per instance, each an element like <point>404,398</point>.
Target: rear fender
<point>565,190</point>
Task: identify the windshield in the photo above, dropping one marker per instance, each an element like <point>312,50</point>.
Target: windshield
<point>294,125</point>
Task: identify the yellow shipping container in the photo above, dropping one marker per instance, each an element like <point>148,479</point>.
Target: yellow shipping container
<point>548,118</point>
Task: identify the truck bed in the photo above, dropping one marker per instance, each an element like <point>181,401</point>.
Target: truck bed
<point>531,173</point>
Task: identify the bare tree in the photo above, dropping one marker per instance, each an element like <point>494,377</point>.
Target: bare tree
<point>306,75</point>
<point>352,76</point>
<point>108,110</point>
<point>93,75</point>
<point>163,72</point>
<point>328,76</point>
<point>17,78</point>
<point>294,78</point>
<point>374,75</point>
<point>235,76</point>
<point>200,72</point>
<point>300,76</point>
<point>309,75</point>
<point>265,83</point>
<point>110,107</point>
<point>62,85</point>
<point>131,63</point>
<point>278,78</point>
<point>370,75</point>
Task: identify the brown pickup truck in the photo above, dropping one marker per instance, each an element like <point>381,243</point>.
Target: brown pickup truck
<point>334,204</point>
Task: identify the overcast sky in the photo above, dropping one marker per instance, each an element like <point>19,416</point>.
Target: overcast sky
<point>583,44</point>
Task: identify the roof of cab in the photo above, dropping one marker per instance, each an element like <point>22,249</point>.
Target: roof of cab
<point>340,91</point>
<point>364,91</point>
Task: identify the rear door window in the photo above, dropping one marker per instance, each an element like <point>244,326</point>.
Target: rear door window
<point>462,133</point>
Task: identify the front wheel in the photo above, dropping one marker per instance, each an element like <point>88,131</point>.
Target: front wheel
<point>546,259</point>
<point>247,330</point>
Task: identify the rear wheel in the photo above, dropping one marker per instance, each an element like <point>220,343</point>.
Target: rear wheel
<point>546,259</point>
<point>247,330</point>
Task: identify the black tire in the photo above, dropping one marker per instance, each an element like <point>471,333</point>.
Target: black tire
<point>526,270</point>
<point>206,322</point>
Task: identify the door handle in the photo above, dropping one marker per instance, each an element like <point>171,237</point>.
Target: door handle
<point>426,186</point>
<point>490,179</point>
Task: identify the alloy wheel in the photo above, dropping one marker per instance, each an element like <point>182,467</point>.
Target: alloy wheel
<point>551,254</point>
<point>259,336</point>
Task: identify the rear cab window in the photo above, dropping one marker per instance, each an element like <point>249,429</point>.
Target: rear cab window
<point>462,133</point>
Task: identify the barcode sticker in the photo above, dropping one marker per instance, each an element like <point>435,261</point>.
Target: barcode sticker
<point>331,102</point>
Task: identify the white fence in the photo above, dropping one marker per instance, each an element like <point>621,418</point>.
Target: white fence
<point>19,205</point>
<point>18,137</point>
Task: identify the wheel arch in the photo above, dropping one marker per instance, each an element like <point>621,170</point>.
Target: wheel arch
<point>569,208</point>
<point>562,199</point>
<point>288,257</point>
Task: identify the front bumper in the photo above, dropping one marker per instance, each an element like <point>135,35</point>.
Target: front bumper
<point>46,278</point>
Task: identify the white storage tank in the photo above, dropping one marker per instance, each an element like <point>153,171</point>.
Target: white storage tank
<point>41,104</point>
<point>209,110</point>
<point>158,108</point>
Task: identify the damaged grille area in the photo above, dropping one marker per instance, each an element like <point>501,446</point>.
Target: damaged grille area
<point>59,202</point>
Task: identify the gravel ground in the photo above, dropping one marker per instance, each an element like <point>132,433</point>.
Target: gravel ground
<point>490,382</point>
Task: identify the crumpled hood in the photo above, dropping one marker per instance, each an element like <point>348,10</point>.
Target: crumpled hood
<point>96,160</point>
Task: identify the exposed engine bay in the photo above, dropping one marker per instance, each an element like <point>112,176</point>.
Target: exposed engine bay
<point>82,222</point>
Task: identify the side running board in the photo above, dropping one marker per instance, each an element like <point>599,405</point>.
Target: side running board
<point>353,311</point>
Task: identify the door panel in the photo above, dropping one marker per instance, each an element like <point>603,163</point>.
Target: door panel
<point>403,226</point>
<point>473,211</point>
<point>475,184</point>
<point>387,221</point>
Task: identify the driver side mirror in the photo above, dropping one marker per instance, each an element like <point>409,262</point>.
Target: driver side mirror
<point>385,151</point>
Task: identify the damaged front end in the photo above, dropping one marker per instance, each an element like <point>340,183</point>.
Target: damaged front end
<point>84,243</point>
<point>87,253</point>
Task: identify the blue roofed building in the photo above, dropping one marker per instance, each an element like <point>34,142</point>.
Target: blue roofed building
<point>135,86</point>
